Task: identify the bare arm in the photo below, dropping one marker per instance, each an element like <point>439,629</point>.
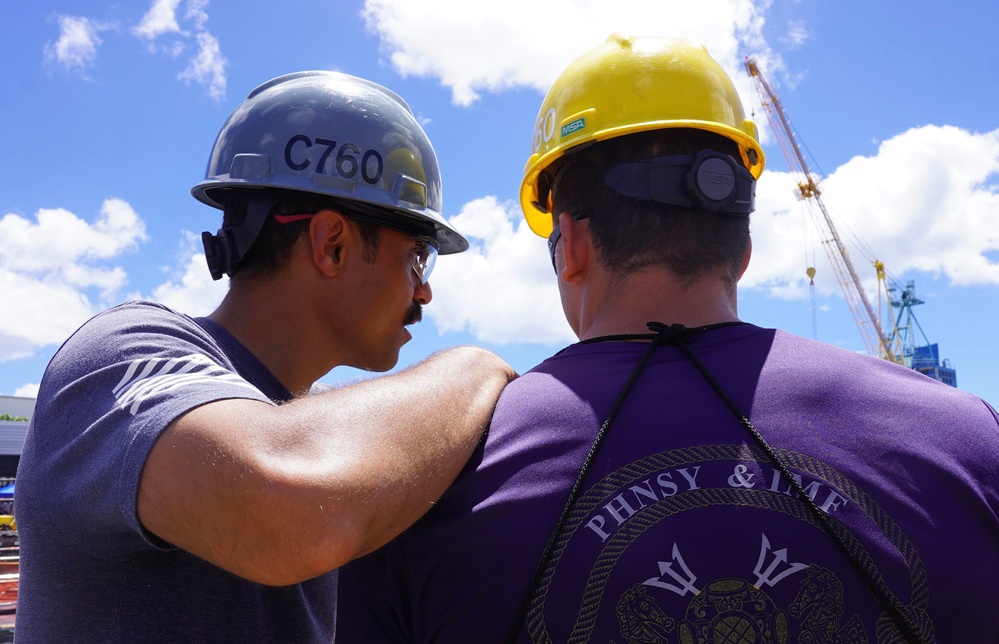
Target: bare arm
<point>282,494</point>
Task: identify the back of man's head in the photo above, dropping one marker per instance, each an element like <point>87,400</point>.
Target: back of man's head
<point>630,233</point>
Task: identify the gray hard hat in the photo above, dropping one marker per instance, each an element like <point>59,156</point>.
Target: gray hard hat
<point>335,135</point>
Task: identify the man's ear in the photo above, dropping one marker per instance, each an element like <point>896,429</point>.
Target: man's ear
<point>329,236</point>
<point>577,248</point>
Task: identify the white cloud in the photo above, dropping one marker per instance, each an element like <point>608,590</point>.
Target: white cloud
<point>925,202</point>
<point>191,290</point>
<point>27,391</point>
<point>473,47</point>
<point>77,45</point>
<point>161,30</point>
<point>503,289</point>
<point>58,240</point>
<point>160,19</point>
<point>47,311</point>
<point>196,13</point>
<point>207,67</point>
<point>797,34</point>
<point>53,265</point>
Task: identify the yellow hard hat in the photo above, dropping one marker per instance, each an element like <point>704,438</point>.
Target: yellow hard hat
<point>630,85</point>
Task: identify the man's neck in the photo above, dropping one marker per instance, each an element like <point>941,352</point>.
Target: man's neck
<point>625,304</point>
<point>269,320</point>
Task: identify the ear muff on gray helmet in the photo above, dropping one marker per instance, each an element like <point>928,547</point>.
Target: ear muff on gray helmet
<point>229,245</point>
<point>709,180</point>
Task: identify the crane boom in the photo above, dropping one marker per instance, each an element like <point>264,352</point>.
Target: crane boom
<point>876,340</point>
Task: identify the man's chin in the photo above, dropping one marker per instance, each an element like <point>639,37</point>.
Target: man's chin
<point>378,367</point>
<point>388,359</point>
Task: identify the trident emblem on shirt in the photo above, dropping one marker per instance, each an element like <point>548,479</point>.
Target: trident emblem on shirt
<point>779,557</point>
<point>777,569</point>
<point>685,580</point>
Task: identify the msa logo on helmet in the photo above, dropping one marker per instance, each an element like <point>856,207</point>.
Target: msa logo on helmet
<point>569,128</point>
<point>297,155</point>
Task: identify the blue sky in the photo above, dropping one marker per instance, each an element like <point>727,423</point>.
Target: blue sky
<point>109,111</point>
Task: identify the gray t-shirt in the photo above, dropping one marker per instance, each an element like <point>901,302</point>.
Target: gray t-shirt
<point>89,571</point>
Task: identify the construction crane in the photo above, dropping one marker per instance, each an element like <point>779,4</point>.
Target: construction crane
<point>917,352</point>
<point>892,340</point>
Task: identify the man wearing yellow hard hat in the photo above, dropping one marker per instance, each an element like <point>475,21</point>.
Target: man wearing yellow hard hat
<point>679,475</point>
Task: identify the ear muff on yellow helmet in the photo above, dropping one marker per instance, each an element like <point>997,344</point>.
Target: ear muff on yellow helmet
<point>629,85</point>
<point>709,180</point>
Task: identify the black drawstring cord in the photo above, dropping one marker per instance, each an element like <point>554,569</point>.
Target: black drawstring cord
<point>679,336</point>
<point>877,586</point>
<point>546,555</point>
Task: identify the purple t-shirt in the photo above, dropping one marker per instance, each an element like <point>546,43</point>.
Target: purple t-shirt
<point>684,530</point>
<point>89,571</point>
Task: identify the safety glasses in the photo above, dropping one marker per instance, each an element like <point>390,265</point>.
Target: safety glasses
<point>423,257</point>
<point>544,202</point>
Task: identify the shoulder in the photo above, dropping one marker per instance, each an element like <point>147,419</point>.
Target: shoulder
<point>549,389</point>
<point>132,328</point>
<point>825,362</point>
<point>130,343</point>
<point>138,315</point>
<point>856,390</point>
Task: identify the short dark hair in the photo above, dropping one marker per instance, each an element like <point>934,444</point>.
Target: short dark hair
<point>272,248</point>
<point>629,233</point>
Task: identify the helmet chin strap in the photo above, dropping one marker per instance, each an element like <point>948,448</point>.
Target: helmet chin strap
<point>709,180</point>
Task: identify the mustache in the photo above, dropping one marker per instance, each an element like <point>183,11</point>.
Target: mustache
<point>414,314</point>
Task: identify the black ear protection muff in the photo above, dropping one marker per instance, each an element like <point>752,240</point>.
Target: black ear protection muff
<point>229,245</point>
<point>709,180</point>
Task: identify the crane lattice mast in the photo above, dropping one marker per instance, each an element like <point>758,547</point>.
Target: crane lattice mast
<point>877,341</point>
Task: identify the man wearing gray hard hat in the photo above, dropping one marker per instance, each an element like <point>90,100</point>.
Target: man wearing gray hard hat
<point>178,483</point>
